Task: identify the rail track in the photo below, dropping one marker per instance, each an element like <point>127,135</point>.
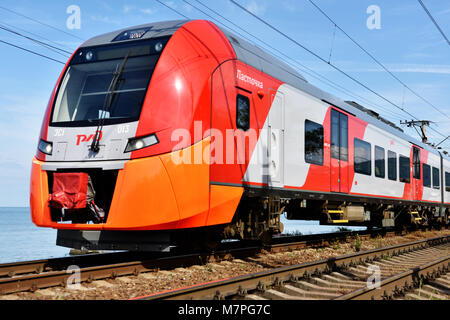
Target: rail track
<point>421,266</point>
<point>39,274</point>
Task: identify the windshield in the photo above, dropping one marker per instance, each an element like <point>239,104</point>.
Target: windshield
<point>81,96</point>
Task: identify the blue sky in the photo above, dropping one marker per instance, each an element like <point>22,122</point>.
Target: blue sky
<point>407,43</point>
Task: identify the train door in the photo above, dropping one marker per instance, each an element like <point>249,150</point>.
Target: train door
<point>339,152</point>
<point>275,138</point>
<point>233,118</point>
<point>416,181</point>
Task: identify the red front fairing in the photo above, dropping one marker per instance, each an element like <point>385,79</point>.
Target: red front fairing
<point>152,191</point>
<point>180,90</point>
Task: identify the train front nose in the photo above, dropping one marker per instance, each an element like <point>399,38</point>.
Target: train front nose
<point>168,191</point>
<point>144,197</point>
<point>152,193</point>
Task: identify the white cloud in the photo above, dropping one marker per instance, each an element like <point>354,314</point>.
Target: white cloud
<point>187,7</point>
<point>351,66</point>
<point>421,68</point>
<point>256,8</point>
<point>408,68</point>
<point>290,5</point>
<point>171,4</point>
<point>128,9</point>
<point>443,12</point>
<point>148,11</point>
<point>104,19</point>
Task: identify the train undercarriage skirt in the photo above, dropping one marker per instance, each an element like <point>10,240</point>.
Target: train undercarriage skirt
<point>114,240</point>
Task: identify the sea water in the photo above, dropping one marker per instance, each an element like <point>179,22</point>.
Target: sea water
<point>21,240</point>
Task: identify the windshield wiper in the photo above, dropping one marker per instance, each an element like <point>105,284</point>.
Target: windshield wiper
<point>114,84</point>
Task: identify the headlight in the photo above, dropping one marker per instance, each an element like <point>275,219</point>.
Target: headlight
<point>159,46</point>
<point>141,143</point>
<point>89,56</point>
<point>45,147</point>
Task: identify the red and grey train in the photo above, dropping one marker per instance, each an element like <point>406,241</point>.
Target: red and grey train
<point>179,131</point>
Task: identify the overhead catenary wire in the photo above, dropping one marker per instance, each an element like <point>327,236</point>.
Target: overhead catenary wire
<point>46,45</point>
<point>324,60</point>
<point>311,72</point>
<point>376,60</point>
<point>41,23</point>
<point>12,27</point>
<point>302,67</point>
<point>434,21</point>
<point>173,9</point>
<point>31,51</point>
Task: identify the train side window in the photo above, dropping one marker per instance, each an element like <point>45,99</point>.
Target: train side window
<point>313,143</point>
<point>416,163</point>
<point>447,181</point>
<point>436,178</point>
<point>426,175</point>
<point>405,173</point>
<point>339,135</point>
<point>380,162</point>
<point>392,166</point>
<point>242,112</point>
<point>363,157</point>
<point>335,133</point>
<point>343,127</point>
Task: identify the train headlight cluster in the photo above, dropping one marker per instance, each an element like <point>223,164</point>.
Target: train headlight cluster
<point>141,143</point>
<point>45,147</point>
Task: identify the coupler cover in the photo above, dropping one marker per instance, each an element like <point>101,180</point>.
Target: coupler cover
<point>69,190</point>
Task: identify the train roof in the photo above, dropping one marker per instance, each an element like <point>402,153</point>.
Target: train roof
<point>153,30</point>
<point>245,51</point>
<point>261,60</point>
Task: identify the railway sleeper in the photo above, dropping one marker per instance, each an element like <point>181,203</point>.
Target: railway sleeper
<point>317,293</point>
<point>335,285</point>
<point>426,293</point>
<point>334,278</point>
<point>304,285</point>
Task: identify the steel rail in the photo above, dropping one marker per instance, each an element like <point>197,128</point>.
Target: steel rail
<point>89,260</point>
<point>400,283</point>
<point>39,274</point>
<point>239,286</point>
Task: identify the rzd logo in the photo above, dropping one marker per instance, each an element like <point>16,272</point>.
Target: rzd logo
<point>85,138</point>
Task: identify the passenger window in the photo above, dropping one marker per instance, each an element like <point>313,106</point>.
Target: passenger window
<point>447,181</point>
<point>339,135</point>
<point>436,178</point>
<point>416,163</point>
<point>363,157</point>
<point>380,162</point>
<point>405,173</point>
<point>242,112</point>
<point>335,134</point>
<point>426,176</point>
<point>344,136</point>
<point>392,166</point>
<point>313,143</point>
